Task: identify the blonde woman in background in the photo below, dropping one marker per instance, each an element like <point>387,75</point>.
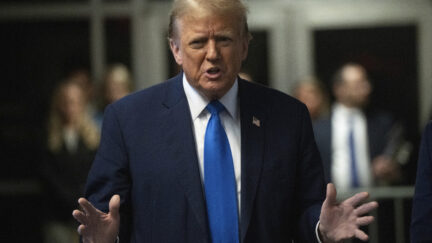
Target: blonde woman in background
<point>116,84</point>
<point>72,141</point>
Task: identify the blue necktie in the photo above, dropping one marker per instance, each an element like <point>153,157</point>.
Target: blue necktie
<point>219,180</point>
<point>354,175</point>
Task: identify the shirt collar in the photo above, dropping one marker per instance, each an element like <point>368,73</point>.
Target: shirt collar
<point>198,102</point>
<point>341,108</point>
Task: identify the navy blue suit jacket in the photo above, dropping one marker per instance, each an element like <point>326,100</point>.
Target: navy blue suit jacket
<point>382,138</point>
<point>148,156</point>
<point>421,220</point>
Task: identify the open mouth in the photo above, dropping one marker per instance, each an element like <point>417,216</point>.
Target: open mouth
<point>213,70</point>
<point>213,73</point>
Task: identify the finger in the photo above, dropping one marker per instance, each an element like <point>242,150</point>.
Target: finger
<point>362,221</point>
<point>359,234</point>
<point>87,207</point>
<point>330,195</point>
<point>357,198</point>
<point>366,208</point>
<point>114,206</point>
<point>80,216</point>
<point>82,230</point>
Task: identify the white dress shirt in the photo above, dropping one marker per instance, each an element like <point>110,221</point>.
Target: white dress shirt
<point>341,159</point>
<point>230,119</point>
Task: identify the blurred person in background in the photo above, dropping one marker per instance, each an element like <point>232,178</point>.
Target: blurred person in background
<point>355,140</point>
<point>116,84</point>
<point>82,77</point>
<point>421,221</point>
<point>312,93</point>
<point>72,142</point>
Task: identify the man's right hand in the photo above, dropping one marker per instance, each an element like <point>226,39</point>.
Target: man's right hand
<point>386,170</point>
<point>97,226</point>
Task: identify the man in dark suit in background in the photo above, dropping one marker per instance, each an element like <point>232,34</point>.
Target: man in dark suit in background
<point>158,150</point>
<point>357,144</point>
<point>421,220</point>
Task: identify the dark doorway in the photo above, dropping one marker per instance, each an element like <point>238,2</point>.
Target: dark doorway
<point>256,64</point>
<point>118,41</point>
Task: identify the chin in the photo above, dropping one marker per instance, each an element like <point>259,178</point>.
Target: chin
<point>213,92</point>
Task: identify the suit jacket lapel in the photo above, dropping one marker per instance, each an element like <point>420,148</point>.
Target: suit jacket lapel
<point>179,132</point>
<point>252,118</point>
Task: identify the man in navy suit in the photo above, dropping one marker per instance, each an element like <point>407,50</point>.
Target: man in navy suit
<point>421,220</point>
<point>354,140</point>
<point>147,183</point>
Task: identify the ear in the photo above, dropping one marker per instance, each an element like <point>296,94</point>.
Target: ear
<point>245,48</point>
<point>175,49</point>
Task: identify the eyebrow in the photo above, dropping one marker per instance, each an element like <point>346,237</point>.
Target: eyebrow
<point>198,38</point>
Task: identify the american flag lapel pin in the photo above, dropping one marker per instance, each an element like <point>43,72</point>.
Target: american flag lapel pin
<point>256,121</point>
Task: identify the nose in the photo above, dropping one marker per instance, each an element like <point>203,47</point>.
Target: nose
<point>212,51</point>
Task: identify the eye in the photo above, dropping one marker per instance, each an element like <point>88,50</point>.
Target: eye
<point>197,43</point>
<point>224,40</point>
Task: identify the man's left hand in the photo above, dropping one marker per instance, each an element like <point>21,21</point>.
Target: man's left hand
<point>341,221</point>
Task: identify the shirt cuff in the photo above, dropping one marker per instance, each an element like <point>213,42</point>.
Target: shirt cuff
<point>316,232</point>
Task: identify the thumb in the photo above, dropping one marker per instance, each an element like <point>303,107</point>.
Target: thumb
<point>331,195</point>
<point>114,206</point>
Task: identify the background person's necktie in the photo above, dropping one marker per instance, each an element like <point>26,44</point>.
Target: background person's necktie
<point>219,180</point>
<point>354,173</point>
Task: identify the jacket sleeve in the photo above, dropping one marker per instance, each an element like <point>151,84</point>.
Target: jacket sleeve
<point>310,177</point>
<point>109,174</point>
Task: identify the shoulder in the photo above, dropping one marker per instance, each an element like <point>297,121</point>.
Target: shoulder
<point>269,97</point>
<point>149,99</point>
<point>380,117</point>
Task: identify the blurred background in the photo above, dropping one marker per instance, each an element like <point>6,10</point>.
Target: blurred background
<point>63,61</point>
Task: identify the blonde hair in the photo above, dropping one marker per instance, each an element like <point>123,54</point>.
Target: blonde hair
<point>86,128</point>
<point>181,8</point>
<point>117,73</point>
<point>120,73</point>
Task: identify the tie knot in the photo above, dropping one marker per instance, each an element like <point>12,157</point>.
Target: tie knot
<point>215,107</point>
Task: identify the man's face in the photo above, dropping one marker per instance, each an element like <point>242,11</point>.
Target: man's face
<point>312,97</point>
<point>355,88</point>
<point>210,49</point>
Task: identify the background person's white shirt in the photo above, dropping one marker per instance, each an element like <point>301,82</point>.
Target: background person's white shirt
<point>341,159</point>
